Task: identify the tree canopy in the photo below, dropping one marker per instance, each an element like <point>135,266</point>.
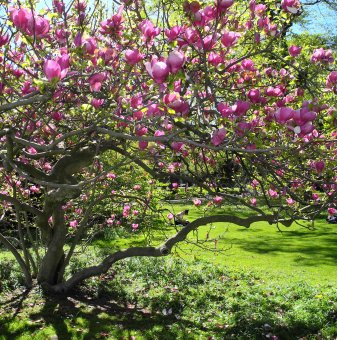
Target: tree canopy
<point>99,114</point>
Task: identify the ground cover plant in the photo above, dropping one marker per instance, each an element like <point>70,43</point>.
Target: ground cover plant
<point>171,299</point>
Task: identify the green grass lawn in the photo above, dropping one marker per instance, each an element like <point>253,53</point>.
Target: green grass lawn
<point>255,283</point>
<point>293,253</point>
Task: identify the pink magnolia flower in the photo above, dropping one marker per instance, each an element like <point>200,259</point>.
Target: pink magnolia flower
<point>273,91</point>
<point>217,200</point>
<point>243,127</point>
<point>3,39</point>
<point>143,144</point>
<point>197,202</point>
<point>304,129</point>
<point>215,59</point>
<point>34,189</point>
<point>137,187</point>
<point>53,70</point>
<point>114,25</point>
<point>224,109</point>
<point>135,226</point>
<point>90,45</point>
<point>291,6</point>
<point>38,27</point>
<point>159,133</point>
<point>260,9</point>
<point>319,166</point>
<point>96,103</point>
<point>223,5</point>
<point>141,130</point>
<point>283,114</point>
<point>248,64</point>
<point>332,79</point>
<point>208,43</point>
<point>170,216</point>
<point>149,30</point>
<point>21,18</point>
<point>95,81</point>
<point>218,136</point>
<point>73,224</point>
<point>240,107</point>
<point>177,146</point>
<point>138,115</point>
<point>132,57</point>
<point>110,221</point>
<point>173,33</point>
<point>110,175</point>
<point>290,201</point>
<point>303,116</point>
<point>64,61</point>
<point>199,18</point>
<point>78,39</point>
<point>126,211</point>
<point>26,21</point>
<point>332,211</point>
<point>253,201</point>
<point>26,88</point>
<point>230,38</point>
<point>173,101</point>
<point>59,6</point>
<point>321,55</point>
<point>294,51</point>
<point>158,70</point>
<point>58,116</point>
<point>175,61</point>
<point>61,35</point>
<point>254,95</point>
<point>272,193</point>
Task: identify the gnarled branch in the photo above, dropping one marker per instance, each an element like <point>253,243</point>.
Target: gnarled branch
<point>161,250</point>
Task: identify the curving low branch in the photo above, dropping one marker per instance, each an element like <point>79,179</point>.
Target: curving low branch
<point>162,250</point>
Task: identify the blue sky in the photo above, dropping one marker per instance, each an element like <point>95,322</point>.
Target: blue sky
<point>321,20</point>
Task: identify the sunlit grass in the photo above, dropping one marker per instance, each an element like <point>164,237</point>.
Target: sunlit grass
<point>291,253</point>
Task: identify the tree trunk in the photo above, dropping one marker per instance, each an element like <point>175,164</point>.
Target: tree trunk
<point>54,257</point>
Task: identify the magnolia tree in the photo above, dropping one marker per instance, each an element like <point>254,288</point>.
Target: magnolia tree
<point>208,94</point>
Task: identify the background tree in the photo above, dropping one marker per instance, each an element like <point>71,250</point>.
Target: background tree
<point>212,97</point>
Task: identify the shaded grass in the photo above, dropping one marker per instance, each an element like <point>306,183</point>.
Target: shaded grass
<point>170,299</point>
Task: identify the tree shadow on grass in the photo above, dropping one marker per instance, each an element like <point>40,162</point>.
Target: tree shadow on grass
<point>309,248</point>
<point>81,317</point>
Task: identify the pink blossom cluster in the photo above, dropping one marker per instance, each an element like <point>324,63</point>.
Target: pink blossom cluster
<point>159,69</point>
<point>29,23</point>
<point>114,25</point>
<point>321,55</point>
<point>299,121</point>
